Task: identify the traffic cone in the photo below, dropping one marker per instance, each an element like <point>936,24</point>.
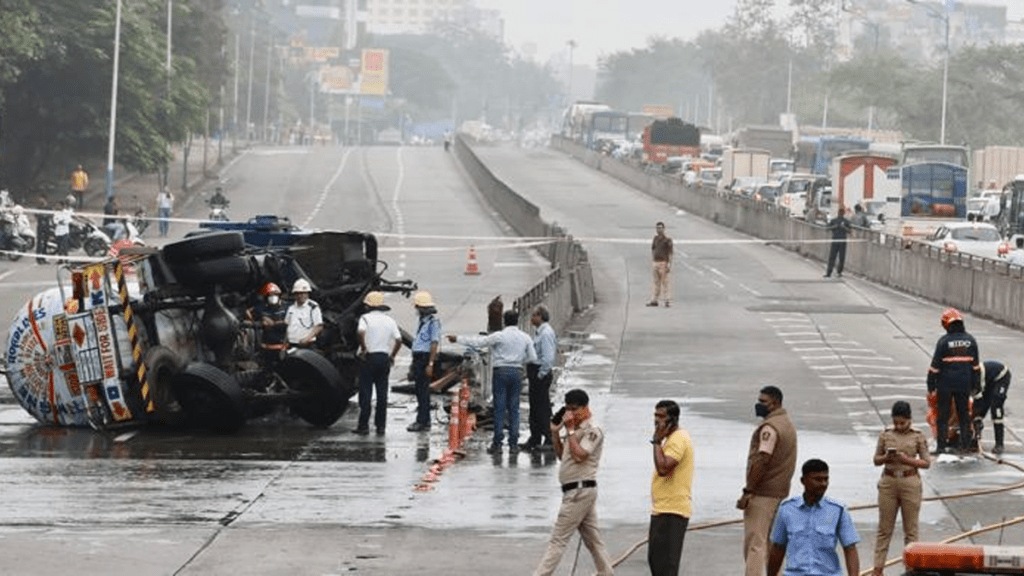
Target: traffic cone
<point>472,269</point>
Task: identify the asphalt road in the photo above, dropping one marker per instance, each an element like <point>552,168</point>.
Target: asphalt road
<point>280,498</point>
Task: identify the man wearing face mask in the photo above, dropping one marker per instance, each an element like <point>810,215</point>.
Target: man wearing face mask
<point>270,315</point>
<point>771,462</point>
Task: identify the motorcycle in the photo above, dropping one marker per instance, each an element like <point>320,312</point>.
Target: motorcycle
<point>140,221</point>
<point>84,234</point>
<point>11,243</point>
<point>218,210</point>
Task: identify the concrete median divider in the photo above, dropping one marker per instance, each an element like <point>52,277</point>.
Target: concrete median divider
<point>569,286</point>
<point>985,287</point>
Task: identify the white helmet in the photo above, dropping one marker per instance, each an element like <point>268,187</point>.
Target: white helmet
<point>301,285</point>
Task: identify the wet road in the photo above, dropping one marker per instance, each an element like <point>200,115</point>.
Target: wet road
<point>281,498</point>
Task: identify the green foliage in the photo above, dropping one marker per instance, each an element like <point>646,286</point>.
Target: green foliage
<point>55,86</point>
<point>665,72</point>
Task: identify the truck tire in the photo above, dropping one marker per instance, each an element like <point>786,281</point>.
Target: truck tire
<point>321,397</point>
<point>231,272</point>
<point>203,247</point>
<point>163,366</point>
<point>210,398</point>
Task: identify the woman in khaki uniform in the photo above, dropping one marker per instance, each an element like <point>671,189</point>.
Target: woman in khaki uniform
<point>902,451</point>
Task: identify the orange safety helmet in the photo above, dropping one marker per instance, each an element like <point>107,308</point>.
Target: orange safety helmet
<point>951,315</point>
<point>270,288</point>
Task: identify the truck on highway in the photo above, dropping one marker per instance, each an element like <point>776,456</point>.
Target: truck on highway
<point>855,176</point>
<point>743,163</point>
<point>671,137</point>
<point>996,166</point>
<point>775,139</point>
<point>922,196</point>
<point>574,118</point>
<point>815,153</point>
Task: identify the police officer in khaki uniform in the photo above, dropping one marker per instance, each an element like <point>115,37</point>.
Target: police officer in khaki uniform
<point>770,466</point>
<point>579,452</point>
<point>902,451</point>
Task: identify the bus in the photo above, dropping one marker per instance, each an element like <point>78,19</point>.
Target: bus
<point>814,154</point>
<point>915,153</point>
<point>603,126</point>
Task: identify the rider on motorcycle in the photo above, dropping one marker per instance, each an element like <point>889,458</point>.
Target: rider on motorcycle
<point>218,198</point>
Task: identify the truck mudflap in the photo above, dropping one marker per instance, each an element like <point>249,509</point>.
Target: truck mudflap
<point>66,354</point>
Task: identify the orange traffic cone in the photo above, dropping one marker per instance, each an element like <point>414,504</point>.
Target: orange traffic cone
<point>472,269</point>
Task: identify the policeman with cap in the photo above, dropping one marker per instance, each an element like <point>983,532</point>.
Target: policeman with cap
<point>425,346</point>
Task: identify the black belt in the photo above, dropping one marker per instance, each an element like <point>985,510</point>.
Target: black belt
<point>580,484</point>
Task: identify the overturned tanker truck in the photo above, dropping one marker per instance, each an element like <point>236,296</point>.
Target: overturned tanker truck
<point>160,335</point>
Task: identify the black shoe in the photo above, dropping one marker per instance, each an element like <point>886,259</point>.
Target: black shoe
<point>827,276</point>
<point>417,427</point>
<point>839,275</point>
<point>494,449</point>
<point>528,446</point>
<point>668,305</point>
<point>361,431</point>
<point>997,449</point>
<point>652,304</point>
<point>513,450</point>
<point>380,431</point>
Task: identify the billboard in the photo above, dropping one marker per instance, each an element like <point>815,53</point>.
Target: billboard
<point>373,78</point>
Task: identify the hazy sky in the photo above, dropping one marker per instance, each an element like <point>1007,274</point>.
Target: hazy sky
<point>604,26</point>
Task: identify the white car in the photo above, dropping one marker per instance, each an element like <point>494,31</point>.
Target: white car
<point>975,238</point>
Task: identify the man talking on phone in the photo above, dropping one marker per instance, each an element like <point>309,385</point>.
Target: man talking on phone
<point>670,490</point>
<point>579,452</point>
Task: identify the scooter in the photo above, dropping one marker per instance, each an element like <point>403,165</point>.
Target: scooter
<point>219,211</point>
<point>84,234</point>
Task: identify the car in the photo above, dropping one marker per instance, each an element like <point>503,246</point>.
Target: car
<point>709,177</point>
<point>161,334</point>
<point>768,192</point>
<point>976,238</point>
<point>745,186</point>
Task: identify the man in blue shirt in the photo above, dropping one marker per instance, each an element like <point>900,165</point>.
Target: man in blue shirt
<point>539,376</point>
<point>510,349</point>
<point>807,528</point>
<point>424,353</point>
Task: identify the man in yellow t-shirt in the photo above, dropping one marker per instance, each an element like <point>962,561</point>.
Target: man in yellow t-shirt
<point>670,490</point>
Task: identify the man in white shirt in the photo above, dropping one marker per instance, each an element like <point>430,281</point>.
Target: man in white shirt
<point>304,318</point>
<point>62,229</point>
<point>379,343</point>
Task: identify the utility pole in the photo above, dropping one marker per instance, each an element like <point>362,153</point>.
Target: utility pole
<point>266,90</point>
<point>113,104</point>
<point>234,107</point>
<point>252,58</point>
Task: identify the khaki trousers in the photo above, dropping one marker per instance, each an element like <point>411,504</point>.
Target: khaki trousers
<point>578,512</point>
<point>662,286</point>
<point>758,517</point>
<point>897,494</point>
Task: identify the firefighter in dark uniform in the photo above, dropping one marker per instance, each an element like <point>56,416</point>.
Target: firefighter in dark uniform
<point>996,377</point>
<point>269,313</point>
<point>954,373</point>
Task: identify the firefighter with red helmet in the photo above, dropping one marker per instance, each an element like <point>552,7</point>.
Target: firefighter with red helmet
<point>954,373</point>
<point>269,315</point>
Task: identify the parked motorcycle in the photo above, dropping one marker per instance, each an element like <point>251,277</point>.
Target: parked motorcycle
<point>11,244</point>
<point>84,234</point>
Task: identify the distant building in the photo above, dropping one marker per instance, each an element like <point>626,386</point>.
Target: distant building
<point>421,16</point>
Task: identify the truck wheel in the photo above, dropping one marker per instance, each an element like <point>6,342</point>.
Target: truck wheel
<point>203,247</point>
<point>232,272</point>
<point>210,398</point>
<point>321,396</point>
<point>163,366</point>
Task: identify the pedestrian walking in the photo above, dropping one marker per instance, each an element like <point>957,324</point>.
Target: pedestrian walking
<point>62,230</point>
<point>840,228</point>
<point>771,461</point>
<point>955,371</point>
<point>44,228</point>
<point>902,451</point>
<point>808,527</point>
<point>539,376</point>
<point>424,354</point>
<point>304,317</point>
<point>511,349</point>
<point>379,343</point>
<point>79,184</point>
<point>579,453</point>
<point>164,208</point>
<point>996,377</point>
<point>671,487</point>
<point>661,254</point>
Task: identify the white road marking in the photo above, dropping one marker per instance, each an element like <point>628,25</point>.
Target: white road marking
<point>853,400</point>
<point>327,189</point>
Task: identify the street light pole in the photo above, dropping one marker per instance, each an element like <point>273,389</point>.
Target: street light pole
<point>113,105</point>
<point>572,45</point>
